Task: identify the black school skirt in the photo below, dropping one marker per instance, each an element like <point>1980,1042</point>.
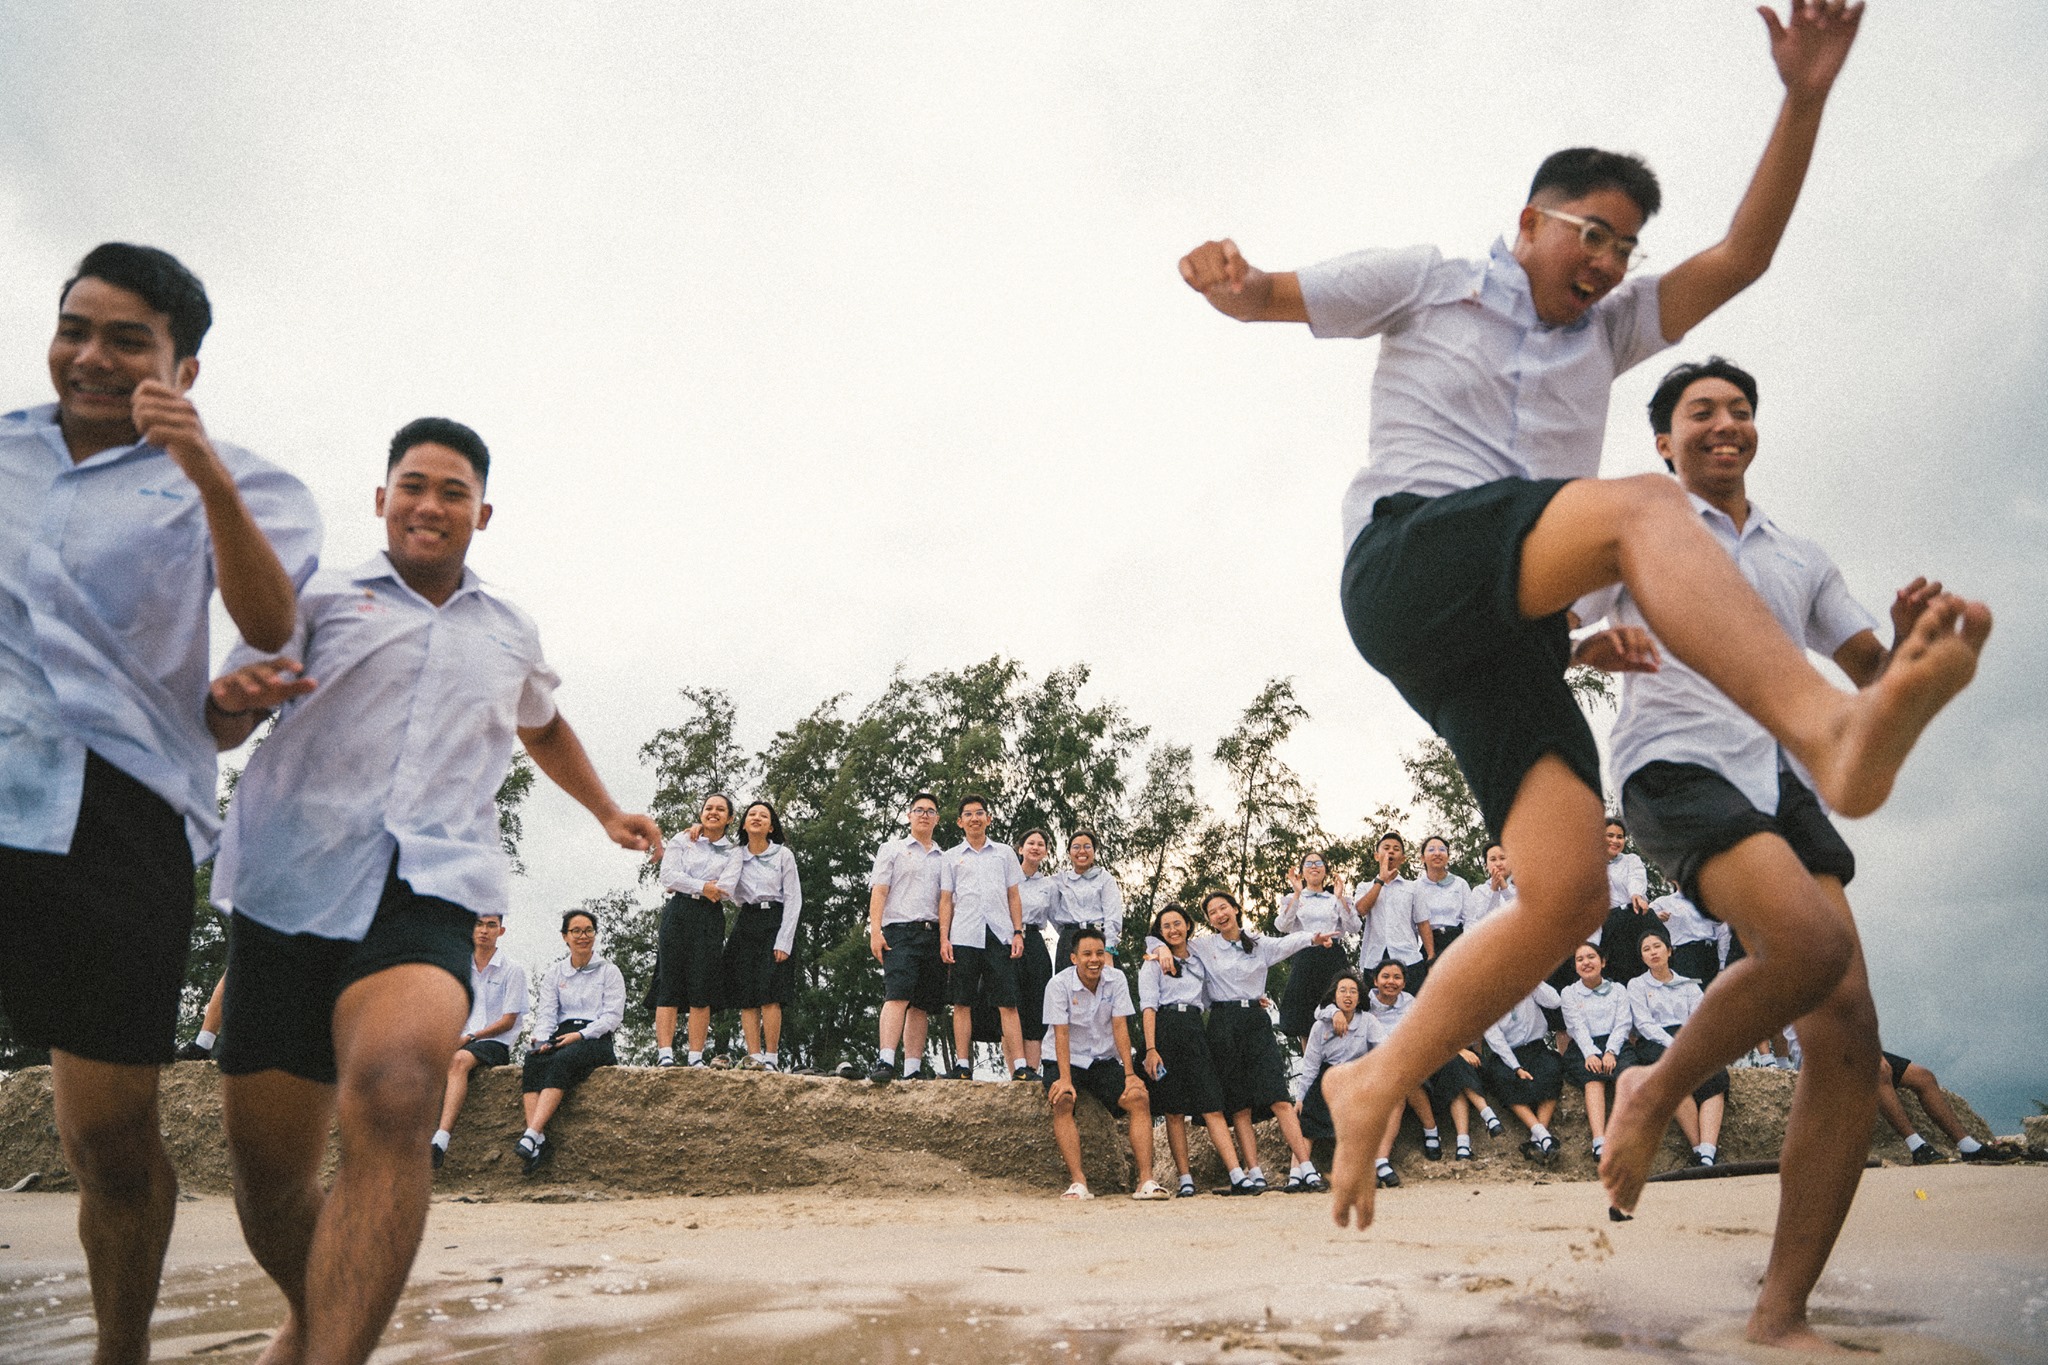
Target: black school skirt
<point>1190,1086</point>
<point>1247,1056</point>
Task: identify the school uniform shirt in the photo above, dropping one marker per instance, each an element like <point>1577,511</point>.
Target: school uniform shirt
<point>597,992</point>
<point>1093,899</point>
<point>771,876</point>
<point>980,880</point>
<point>1484,900</point>
<point>1443,903</point>
<point>1156,989</point>
<point>1522,1025</point>
<point>1389,1015</point>
<point>686,864</point>
<point>1090,1016</point>
<point>1039,893</point>
<point>1685,922</point>
<point>1677,716</point>
<point>1471,386</point>
<point>1390,926</point>
<point>1627,878</point>
<point>1316,912</point>
<point>497,989</point>
<point>401,748</point>
<point>1232,972</point>
<point>1327,1048</point>
<point>106,584</point>
<point>1590,1014</point>
<point>1656,1007</point>
<point>910,872</point>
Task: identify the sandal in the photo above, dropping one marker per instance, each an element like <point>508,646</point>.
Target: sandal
<point>1077,1191</point>
<point>1150,1190</point>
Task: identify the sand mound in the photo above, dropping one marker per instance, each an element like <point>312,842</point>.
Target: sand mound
<point>633,1130</point>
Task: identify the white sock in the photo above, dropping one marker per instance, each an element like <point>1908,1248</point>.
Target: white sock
<point>1385,1167</point>
<point>1464,1143</point>
<point>1915,1143</point>
<point>441,1136</point>
<point>888,1056</point>
<point>1236,1175</point>
<point>1539,1132</point>
<point>1255,1174</point>
<point>207,1038</point>
<point>1487,1116</point>
<point>1707,1150</point>
<point>1968,1144</point>
<point>535,1135</point>
<point>696,1057</point>
<point>1599,1145</point>
<point>1021,1065</point>
<point>1301,1168</point>
<point>664,1054</point>
<point>772,1058</point>
<point>1187,1181</point>
<point>913,1065</point>
<point>1429,1132</point>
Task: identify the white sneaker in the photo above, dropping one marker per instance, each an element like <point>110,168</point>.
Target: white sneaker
<point>1151,1189</point>
<point>1077,1191</point>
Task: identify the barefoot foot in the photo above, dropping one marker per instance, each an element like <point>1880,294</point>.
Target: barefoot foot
<point>1635,1129</point>
<point>1360,1110</point>
<point>1928,668</point>
<point>1800,1337</point>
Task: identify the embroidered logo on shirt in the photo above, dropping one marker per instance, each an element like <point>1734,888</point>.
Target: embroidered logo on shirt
<point>170,493</point>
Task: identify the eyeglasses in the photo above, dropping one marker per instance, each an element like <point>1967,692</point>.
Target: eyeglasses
<point>579,933</point>
<point>925,811</point>
<point>1600,239</point>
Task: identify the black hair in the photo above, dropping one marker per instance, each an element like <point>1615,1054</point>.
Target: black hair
<point>1348,974</point>
<point>1496,844</point>
<point>1656,931</point>
<point>1394,962</point>
<point>1577,172</point>
<point>568,915</point>
<point>731,807</point>
<point>1617,822</point>
<point>1395,836</point>
<point>1601,953</point>
<point>1094,840</point>
<point>1041,833</point>
<point>1086,931</point>
<point>163,283</point>
<point>442,431</point>
<point>1245,937</point>
<point>925,796</point>
<point>1175,908</point>
<point>1440,839</point>
<point>967,801</point>
<point>1679,378</point>
<point>774,820</point>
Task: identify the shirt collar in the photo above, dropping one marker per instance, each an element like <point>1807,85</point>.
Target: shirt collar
<point>1757,521</point>
<point>379,568</point>
<point>44,421</point>
<point>1505,290</point>
<point>492,965</point>
<point>596,961</point>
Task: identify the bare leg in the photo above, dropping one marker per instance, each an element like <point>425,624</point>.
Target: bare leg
<point>1546,1111</point>
<point>1034,1052</point>
<point>1553,836</point>
<point>1387,1143</point>
<point>1139,1113</point>
<point>1177,1143</point>
<point>1711,1112</point>
<point>209,1020</point>
<point>1921,1082</point>
<point>1461,1116</point>
<point>1596,1108</point>
<point>1219,1138</point>
<point>771,1028</point>
<point>529,1100</point>
<point>915,1025</point>
<point>1688,1117</point>
<point>1827,1137</point>
<point>700,1027</point>
<point>750,1028</point>
<point>1525,1114</point>
<point>963,1034</point>
<point>541,1107</point>
<point>459,1068</point>
<point>1799,945</point>
<point>1247,1141</point>
<point>1013,1039</point>
<point>1893,1111</point>
<point>664,1025</point>
<point>893,1012</point>
<point>1643,532</point>
<point>127,1193</point>
<point>1068,1138</point>
<point>1418,1100</point>
<point>277,1134</point>
<point>1290,1129</point>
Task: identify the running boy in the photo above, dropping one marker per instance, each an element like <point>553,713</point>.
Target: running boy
<point>1476,524</point>
<point>361,846</point>
<point>119,516</point>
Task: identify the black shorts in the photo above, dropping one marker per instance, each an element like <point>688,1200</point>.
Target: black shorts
<point>1898,1067</point>
<point>989,968</point>
<point>93,941</point>
<point>688,954</point>
<point>1104,1080</point>
<point>488,1053</point>
<point>1189,1087</point>
<point>1431,592</point>
<point>277,1012</point>
<point>912,969</point>
<point>565,1068</point>
<point>1034,974</point>
<point>1247,1056</point>
<point>1546,1075</point>
<point>1681,815</point>
<point>749,963</point>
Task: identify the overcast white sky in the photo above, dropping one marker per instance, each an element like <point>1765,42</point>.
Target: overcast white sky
<point>813,341</point>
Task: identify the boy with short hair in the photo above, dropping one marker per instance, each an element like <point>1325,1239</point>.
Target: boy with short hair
<point>1475,526</point>
<point>361,845</point>
<point>1090,1049</point>
<point>903,934</point>
<point>119,516</point>
<point>497,1004</point>
<point>981,935</point>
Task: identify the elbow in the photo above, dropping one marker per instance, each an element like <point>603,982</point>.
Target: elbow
<point>271,631</point>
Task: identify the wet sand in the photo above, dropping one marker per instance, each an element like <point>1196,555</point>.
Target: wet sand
<point>1452,1272</point>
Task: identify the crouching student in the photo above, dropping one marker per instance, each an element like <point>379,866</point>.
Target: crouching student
<point>1342,1033</point>
<point>1241,1038</point>
<point>1660,1001</point>
<point>1597,1019</point>
<point>1178,1069</point>
<point>361,844</point>
<point>497,992</point>
<point>582,1003</point>
<point>1896,1074</point>
<point>1387,1002</point>
<point>759,959</point>
<point>1091,1051</point>
<point>1522,1071</point>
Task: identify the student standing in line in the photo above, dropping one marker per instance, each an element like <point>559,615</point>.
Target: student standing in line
<point>697,871</point>
<point>903,935</point>
<point>759,958</point>
<point>361,844</point>
<point>1315,902</point>
<point>1387,1002</point>
<point>1396,927</point>
<point>119,517</point>
<point>1177,1067</point>
<point>981,935</point>
<point>1660,1003</point>
<point>1038,893</point>
<point>1441,894</point>
<point>1521,1070</point>
<point>1088,895</point>
<point>1698,941</point>
<point>1496,893</point>
<point>1474,528</point>
<point>498,1002</point>
<point>1085,1005</point>
<point>582,1002</point>
<point>1342,1033</point>
<point>1628,913</point>
<point>1241,1039</point>
<point>1597,1019</point>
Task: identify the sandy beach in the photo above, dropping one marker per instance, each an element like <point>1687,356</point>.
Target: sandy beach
<point>1946,1263</point>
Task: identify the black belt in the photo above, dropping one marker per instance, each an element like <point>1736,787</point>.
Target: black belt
<point>1234,1005</point>
<point>760,905</point>
<point>1183,1009</point>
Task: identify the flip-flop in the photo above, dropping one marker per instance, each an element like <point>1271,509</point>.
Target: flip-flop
<point>1150,1190</point>
<point>1077,1191</point>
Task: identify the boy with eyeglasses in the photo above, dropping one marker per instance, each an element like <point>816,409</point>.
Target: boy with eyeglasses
<point>1476,524</point>
<point>903,934</point>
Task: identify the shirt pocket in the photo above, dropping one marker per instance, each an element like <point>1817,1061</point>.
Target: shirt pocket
<point>135,544</point>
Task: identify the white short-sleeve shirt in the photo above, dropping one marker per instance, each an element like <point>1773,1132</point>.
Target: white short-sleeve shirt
<point>1090,1016</point>
<point>980,880</point>
<point>910,872</point>
<point>496,990</point>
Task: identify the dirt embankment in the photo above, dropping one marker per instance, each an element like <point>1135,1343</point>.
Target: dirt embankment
<point>634,1130</point>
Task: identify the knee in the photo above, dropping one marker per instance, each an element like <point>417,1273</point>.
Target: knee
<point>1579,893</point>
<point>461,1064</point>
<point>120,1157</point>
<point>389,1095</point>
<point>1654,496</point>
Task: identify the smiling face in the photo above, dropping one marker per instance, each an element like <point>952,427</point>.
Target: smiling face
<point>1712,439</point>
<point>432,502</point>
<point>581,936</point>
<point>1390,981</point>
<point>1617,840</point>
<point>109,340</point>
<point>1565,279</point>
<point>1436,858</point>
<point>1032,851</point>
<point>1173,928</point>
<point>1090,957</point>
<point>1315,873</point>
<point>1222,916</point>
<point>758,822</point>
<point>1586,962</point>
<point>714,817</point>
<point>973,821</point>
<point>1081,852</point>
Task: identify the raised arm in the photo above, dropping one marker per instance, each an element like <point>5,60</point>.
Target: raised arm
<point>557,751</point>
<point>1808,49</point>
<point>1238,289</point>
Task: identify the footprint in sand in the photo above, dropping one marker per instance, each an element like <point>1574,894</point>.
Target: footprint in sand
<point>1889,1345</point>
